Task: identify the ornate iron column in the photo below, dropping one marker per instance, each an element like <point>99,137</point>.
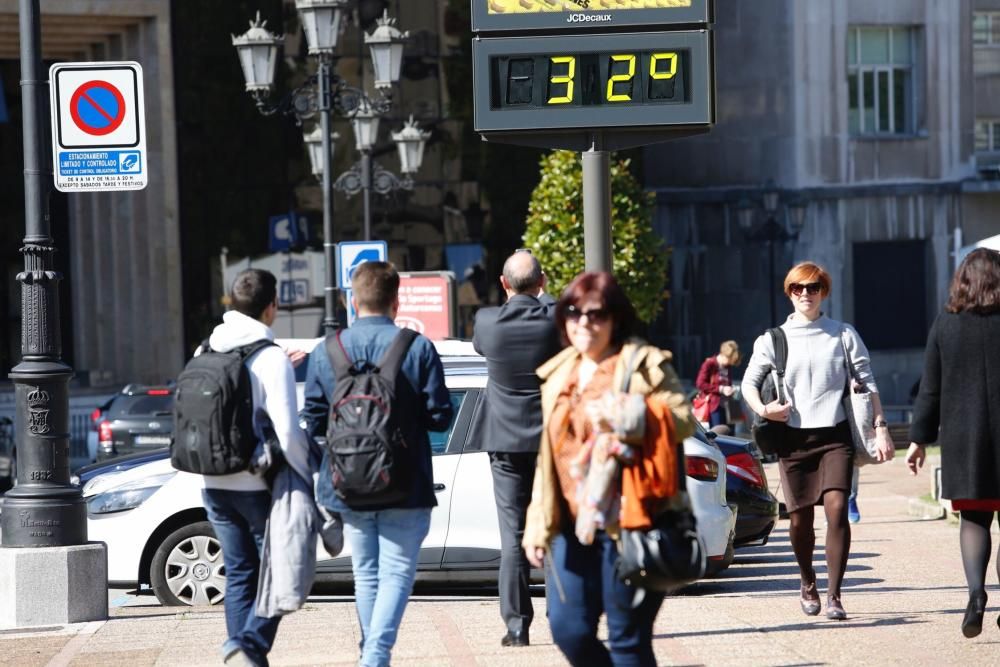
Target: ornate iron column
<point>44,509</point>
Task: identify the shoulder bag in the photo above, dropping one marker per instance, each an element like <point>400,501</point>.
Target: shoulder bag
<point>860,412</point>
<point>667,556</point>
<point>771,435</point>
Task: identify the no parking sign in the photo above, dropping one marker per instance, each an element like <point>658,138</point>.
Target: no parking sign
<point>98,126</point>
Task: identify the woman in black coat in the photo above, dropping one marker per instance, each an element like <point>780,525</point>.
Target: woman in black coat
<point>960,395</point>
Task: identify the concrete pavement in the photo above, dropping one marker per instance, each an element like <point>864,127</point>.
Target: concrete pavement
<point>904,593</point>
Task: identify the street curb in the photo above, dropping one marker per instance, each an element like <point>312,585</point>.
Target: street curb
<point>924,510</point>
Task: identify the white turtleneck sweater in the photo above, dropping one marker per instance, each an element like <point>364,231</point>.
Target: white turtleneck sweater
<point>816,372</point>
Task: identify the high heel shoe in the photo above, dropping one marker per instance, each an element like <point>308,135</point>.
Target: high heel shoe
<point>835,610</point>
<point>972,624</point>
<point>809,599</point>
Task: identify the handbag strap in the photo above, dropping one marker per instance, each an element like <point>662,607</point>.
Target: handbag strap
<point>851,370</point>
<point>780,342</point>
<point>630,368</point>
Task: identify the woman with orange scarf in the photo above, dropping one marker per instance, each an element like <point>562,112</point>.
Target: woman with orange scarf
<point>572,529</point>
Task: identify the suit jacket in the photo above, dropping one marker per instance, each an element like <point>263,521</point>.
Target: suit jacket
<point>516,339</point>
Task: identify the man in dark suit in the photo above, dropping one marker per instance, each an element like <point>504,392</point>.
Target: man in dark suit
<point>515,338</point>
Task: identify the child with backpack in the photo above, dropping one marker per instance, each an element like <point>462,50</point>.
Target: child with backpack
<point>374,391</point>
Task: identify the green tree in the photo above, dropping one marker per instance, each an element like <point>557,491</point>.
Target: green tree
<point>555,231</point>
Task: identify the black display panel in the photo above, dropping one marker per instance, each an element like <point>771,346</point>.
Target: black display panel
<point>518,15</point>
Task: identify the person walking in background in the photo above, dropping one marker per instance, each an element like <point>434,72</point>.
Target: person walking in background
<point>384,539</point>
<point>817,458</point>
<point>715,385</point>
<point>597,319</point>
<point>515,339</point>
<point>958,406</point>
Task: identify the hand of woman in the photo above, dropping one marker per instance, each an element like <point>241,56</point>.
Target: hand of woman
<point>726,391</point>
<point>535,556</point>
<point>777,412</point>
<point>886,448</point>
<point>915,456</point>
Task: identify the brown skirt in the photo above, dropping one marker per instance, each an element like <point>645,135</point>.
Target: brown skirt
<point>815,461</point>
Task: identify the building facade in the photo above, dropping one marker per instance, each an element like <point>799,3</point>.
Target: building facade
<point>864,115</point>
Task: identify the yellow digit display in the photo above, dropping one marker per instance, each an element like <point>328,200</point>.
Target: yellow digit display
<point>566,79</point>
<point>627,76</point>
<point>656,59</point>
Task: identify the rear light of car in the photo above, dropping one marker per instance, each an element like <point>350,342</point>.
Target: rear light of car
<point>702,469</point>
<point>158,392</point>
<point>104,436</point>
<point>746,467</point>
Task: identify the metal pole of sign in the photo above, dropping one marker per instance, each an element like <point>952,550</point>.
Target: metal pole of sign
<point>329,247</point>
<point>597,210</point>
<point>366,187</point>
<point>44,509</point>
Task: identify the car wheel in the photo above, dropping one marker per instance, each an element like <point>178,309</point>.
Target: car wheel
<point>187,568</point>
<point>714,567</point>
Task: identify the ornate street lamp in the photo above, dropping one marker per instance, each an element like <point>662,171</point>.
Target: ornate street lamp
<point>411,141</point>
<point>365,123</point>
<point>386,44</point>
<point>321,22</point>
<point>258,52</point>
<point>314,144</point>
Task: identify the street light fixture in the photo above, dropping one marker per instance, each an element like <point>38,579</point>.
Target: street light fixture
<point>325,93</point>
<point>411,141</point>
<point>771,230</point>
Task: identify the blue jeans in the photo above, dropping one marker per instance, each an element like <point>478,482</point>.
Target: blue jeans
<point>583,585</point>
<point>384,548</point>
<point>239,519</point>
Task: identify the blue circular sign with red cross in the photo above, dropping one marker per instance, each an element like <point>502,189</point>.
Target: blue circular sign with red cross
<point>97,108</point>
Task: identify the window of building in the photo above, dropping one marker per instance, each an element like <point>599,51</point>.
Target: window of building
<point>987,135</point>
<point>890,309</point>
<point>985,28</point>
<point>880,64</point>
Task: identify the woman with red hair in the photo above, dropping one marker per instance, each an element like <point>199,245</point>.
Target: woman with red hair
<point>958,406</point>
<point>816,460</point>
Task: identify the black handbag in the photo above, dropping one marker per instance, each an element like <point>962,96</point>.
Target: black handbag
<point>667,556</point>
<point>769,435</point>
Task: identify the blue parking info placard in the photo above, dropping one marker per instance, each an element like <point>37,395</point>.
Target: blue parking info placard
<point>98,126</point>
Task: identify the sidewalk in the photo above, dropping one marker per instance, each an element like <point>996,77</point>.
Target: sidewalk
<point>904,593</point>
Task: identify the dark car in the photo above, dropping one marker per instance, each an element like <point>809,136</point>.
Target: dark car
<point>746,488</point>
<point>139,418</point>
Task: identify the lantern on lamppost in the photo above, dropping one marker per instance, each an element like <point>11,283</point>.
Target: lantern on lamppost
<point>386,43</point>
<point>411,141</point>
<point>258,52</point>
<point>321,22</point>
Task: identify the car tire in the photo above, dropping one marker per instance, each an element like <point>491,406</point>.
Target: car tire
<point>187,568</point>
<point>715,567</point>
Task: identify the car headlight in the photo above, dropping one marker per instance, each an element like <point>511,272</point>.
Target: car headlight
<point>127,496</point>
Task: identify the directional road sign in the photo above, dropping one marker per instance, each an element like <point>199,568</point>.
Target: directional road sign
<point>351,254</point>
<point>98,126</point>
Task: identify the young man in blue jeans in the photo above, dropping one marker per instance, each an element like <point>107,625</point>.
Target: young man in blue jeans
<point>238,504</point>
<point>384,541</point>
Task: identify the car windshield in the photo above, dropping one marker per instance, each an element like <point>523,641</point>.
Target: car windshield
<point>142,404</point>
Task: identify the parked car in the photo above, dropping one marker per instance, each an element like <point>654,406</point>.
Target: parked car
<point>96,416</point>
<point>152,520</point>
<point>747,488</point>
<point>139,418</point>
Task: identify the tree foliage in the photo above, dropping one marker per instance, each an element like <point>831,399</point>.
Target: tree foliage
<point>555,231</point>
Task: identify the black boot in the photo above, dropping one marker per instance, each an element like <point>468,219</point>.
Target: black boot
<point>972,624</point>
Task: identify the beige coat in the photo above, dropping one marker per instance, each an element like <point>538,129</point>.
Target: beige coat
<point>653,376</point>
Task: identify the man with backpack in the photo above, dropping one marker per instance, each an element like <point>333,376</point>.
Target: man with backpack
<point>226,397</point>
<point>373,391</point>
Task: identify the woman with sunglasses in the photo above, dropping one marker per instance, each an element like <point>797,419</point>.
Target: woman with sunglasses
<point>958,407</point>
<point>596,319</point>
<point>817,458</point>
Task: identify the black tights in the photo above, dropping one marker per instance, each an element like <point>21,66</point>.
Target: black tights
<point>974,537</point>
<point>838,540</point>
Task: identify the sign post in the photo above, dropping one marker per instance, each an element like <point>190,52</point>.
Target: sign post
<point>98,126</point>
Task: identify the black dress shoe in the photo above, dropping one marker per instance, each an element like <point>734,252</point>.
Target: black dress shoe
<point>515,639</point>
<point>809,599</point>
<point>972,624</point>
<point>835,610</point>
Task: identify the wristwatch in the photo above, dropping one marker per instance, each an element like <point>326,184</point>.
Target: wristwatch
<point>881,423</point>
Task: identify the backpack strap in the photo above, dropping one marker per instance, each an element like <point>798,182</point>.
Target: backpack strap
<point>780,359</point>
<point>341,363</point>
<point>251,349</point>
<point>392,360</point>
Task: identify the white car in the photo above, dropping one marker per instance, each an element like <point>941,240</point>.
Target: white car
<point>152,519</point>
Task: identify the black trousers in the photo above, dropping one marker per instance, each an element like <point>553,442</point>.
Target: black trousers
<point>513,474</point>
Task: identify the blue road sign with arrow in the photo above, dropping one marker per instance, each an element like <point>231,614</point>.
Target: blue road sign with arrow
<point>351,254</point>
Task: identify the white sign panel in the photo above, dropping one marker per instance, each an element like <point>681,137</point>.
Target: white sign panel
<point>350,254</point>
<point>98,127</point>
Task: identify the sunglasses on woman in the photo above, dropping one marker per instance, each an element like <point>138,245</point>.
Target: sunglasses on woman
<point>811,288</point>
<point>573,314</point>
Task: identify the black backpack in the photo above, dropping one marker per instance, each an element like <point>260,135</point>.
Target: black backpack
<point>770,435</point>
<point>369,459</point>
<point>213,412</point>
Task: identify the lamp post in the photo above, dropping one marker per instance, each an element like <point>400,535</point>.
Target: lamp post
<point>772,229</point>
<point>326,93</point>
